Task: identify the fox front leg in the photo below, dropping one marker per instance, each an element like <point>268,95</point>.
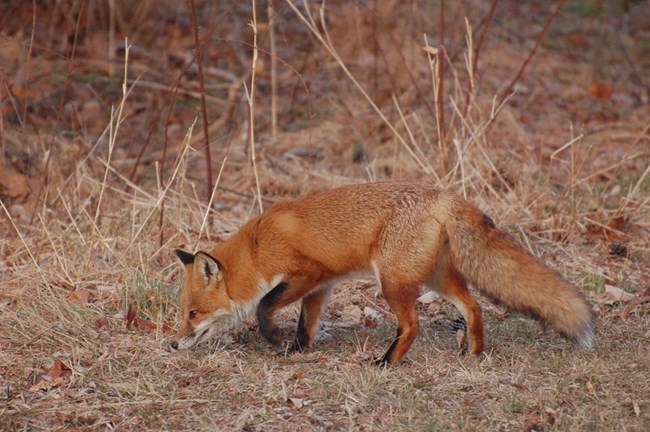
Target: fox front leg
<point>311,310</point>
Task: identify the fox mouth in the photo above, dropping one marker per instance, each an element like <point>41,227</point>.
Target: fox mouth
<point>200,336</point>
<point>206,331</point>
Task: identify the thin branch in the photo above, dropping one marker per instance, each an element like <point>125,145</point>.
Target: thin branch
<point>204,108</point>
<point>324,39</point>
<point>251,105</point>
<point>477,50</point>
<point>479,44</point>
<point>441,77</point>
<point>274,70</point>
<point>532,53</point>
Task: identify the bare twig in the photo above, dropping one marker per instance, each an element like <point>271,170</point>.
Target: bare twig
<point>643,176</point>
<point>114,126</point>
<point>204,108</point>
<point>29,55</point>
<point>441,76</point>
<point>486,26</point>
<point>209,206</point>
<point>274,70</point>
<point>229,109</point>
<point>477,50</point>
<point>434,57</point>
<point>164,188</point>
<point>22,239</point>
<point>152,127</point>
<point>636,74</point>
<point>324,39</point>
<point>532,53</point>
<point>250,94</point>
<point>64,94</point>
<point>111,37</point>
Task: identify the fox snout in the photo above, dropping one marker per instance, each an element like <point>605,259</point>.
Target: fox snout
<point>184,342</point>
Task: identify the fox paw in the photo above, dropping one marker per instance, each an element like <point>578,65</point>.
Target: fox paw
<point>295,347</point>
<point>459,325</point>
<point>381,363</point>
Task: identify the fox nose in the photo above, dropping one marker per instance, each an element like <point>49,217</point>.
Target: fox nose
<point>174,345</point>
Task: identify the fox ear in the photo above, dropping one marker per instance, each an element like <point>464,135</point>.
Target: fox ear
<point>207,267</point>
<point>185,257</point>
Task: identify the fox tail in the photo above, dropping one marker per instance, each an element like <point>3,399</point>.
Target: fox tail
<point>506,273</point>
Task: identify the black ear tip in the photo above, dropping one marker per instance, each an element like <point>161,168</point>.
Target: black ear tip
<point>185,257</point>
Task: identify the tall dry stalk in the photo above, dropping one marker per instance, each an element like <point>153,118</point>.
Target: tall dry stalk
<point>440,101</point>
<point>274,70</point>
<point>325,40</point>
<point>435,59</point>
<point>508,89</point>
<point>114,127</point>
<point>199,50</point>
<point>250,96</point>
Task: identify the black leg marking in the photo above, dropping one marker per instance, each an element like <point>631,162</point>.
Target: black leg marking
<point>265,311</point>
<point>301,342</point>
<point>385,360</point>
<point>460,325</point>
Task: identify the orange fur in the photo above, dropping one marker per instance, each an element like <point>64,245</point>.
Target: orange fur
<point>410,234</point>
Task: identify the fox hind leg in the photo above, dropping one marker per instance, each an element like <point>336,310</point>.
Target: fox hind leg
<point>401,299</point>
<point>455,289</point>
<point>449,284</point>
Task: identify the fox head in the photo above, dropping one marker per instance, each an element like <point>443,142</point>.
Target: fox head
<point>206,309</point>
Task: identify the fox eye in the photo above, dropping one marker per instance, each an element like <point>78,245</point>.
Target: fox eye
<point>192,314</point>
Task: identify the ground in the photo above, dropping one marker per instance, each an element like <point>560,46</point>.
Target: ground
<point>104,171</point>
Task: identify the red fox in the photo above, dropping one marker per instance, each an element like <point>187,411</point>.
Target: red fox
<point>409,234</point>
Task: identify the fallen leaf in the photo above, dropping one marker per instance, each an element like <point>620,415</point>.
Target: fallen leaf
<point>369,323</point>
<point>371,313</point>
<point>578,40</point>
<point>351,313</point>
<point>618,294</point>
<point>167,329</point>
<point>102,323</point>
<point>132,320</point>
<point>144,325</point>
<point>80,297</point>
<point>12,183</point>
<point>130,316</point>
<point>600,90</point>
<point>297,402</point>
<point>58,369</point>
<point>533,422</point>
<point>46,385</point>
<point>612,230</point>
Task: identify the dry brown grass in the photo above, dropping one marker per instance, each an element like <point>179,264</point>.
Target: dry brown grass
<point>565,172</point>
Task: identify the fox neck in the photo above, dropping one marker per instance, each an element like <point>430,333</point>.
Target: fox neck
<point>249,278</point>
<point>244,308</point>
